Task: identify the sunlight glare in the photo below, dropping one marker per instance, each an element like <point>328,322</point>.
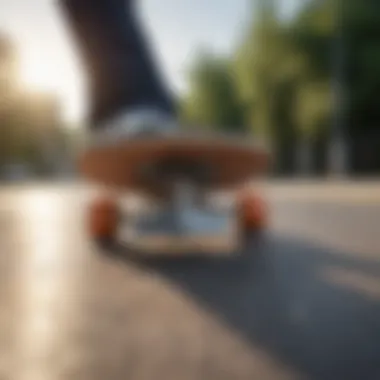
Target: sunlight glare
<point>40,76</point>
<point>40,73</point>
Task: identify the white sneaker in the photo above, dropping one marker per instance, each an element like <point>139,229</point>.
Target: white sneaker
<point>131,125</point>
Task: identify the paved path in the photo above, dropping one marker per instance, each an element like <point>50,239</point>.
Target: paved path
<point>305,305</point>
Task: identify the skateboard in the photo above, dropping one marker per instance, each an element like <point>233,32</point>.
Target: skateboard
<point>174,172</point>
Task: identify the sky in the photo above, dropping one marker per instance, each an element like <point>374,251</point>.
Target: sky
<point>177,27</point>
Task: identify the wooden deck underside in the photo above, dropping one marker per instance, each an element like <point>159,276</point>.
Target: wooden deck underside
<point>120,165</point>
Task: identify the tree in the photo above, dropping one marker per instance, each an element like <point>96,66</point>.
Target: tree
<point>267,71</point>
<point>281,77</point>
<point>360,32</point>
<point>212,100</point>
<point>8,64</point>
<point>8,96</point>
<point>27,120</point>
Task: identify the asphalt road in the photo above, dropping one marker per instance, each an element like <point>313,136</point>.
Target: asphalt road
<point>305,304</point>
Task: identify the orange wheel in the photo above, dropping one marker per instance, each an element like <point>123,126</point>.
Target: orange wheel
<point>252,213</point>
<point>103,220</point>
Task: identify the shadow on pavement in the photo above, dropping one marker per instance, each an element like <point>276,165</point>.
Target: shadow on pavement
<point>281,298</point>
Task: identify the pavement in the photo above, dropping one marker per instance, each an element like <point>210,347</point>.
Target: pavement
<point>303,304</point>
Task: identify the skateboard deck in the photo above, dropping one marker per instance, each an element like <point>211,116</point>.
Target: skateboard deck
<point>147,165</point>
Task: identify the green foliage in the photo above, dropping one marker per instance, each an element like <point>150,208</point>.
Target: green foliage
<point>295,57</point>
<point>283,73</point>
<point>213,100</point>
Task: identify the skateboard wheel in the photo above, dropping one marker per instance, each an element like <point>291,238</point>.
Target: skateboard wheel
<point>252,213</point>
<point>103,221</point>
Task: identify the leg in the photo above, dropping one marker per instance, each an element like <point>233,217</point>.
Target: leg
<point>122,77</point>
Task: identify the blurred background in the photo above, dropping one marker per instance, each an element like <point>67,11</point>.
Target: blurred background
<point>301,74</point>
<point>301,303</point>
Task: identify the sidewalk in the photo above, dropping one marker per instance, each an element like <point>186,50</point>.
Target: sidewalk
<point>364,191</point>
